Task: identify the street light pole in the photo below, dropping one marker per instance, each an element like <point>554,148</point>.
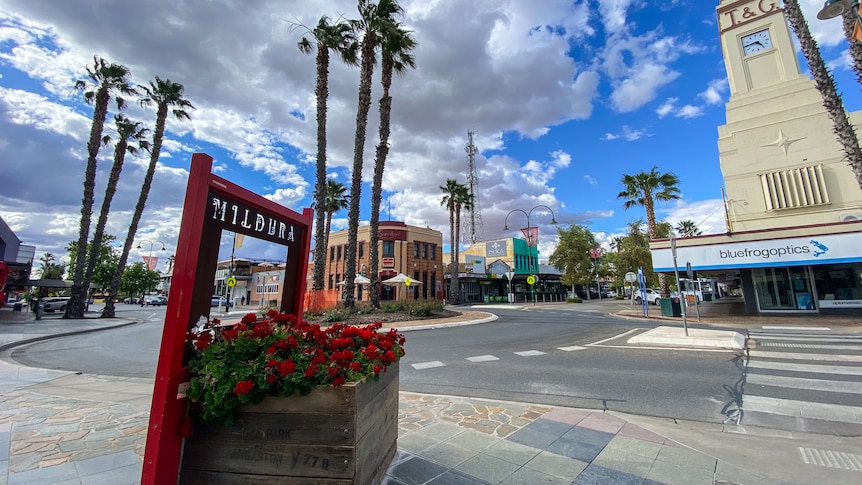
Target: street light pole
<point>530,242</point>
<point>150,256</point>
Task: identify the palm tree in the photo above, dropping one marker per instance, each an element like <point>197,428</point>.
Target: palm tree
<point>687,228</point>
<point>397,46</point>
<point>340,38</point>
<point>644,188</point>
<point>616,243</point>
<point>167,95</point>
<point>463,201</point>
<point>453,193</point>
<point>825,83</point>
<point>336,200</point>
<point>127,131</point>
<point>106,79</point>
<point>849,22</point>
<point>374,21</point>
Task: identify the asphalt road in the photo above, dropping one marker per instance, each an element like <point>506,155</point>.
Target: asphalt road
<point>667,383</point>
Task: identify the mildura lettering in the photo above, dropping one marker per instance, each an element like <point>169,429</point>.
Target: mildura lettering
<point>234,214</point>
<point>765,253</point>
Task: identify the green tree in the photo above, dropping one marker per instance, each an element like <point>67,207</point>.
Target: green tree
<point>634,253</point>
<point>375,19</point>
<point>643,189</point>
<point>105,260</point>
<point>106,79</point>
<point>340,38</point>
<point>137,279</point>
<point>127,131</point>
<point>825,83</point>
<point>336,200</point>
<point>397,46</point>
<point>687,228</point>
<point>572,255</point>
<point>167,96</point>
<point>49,269</point>
<point>455,196</point>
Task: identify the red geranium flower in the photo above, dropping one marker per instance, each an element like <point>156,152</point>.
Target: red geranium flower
<point>243,387</point>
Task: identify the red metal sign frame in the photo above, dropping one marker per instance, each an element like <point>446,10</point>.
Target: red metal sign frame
<point>212,204</point>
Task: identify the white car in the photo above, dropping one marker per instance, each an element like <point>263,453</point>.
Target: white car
<point>55,303</point>
<point>652,296</point>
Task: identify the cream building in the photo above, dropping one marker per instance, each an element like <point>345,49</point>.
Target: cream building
<point>793,205</point>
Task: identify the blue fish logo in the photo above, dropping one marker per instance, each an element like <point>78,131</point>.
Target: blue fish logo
<point>819,248</point>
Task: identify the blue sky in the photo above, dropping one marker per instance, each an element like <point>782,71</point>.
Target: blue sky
<point>565,97</point>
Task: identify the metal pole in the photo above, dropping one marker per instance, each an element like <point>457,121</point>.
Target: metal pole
<point>676,275</point>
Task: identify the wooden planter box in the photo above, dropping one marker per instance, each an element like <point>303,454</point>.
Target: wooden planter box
<point>332,436</point>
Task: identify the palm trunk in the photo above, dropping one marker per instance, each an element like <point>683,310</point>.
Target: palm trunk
<point>849,22</point>
<point>457,250</point>
<point>322,93</point>
<point>826,85</point>
<point>110,190</point>
<point>78,294</point>
<point>453,265</point>
<point>366,72</point>
<point>158,134</point>
<point>377,184</point>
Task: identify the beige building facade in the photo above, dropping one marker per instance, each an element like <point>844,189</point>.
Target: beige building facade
<point>793,205</point>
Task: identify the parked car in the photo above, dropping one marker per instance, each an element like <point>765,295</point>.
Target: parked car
<point>652,296</point>
<point>55,303</point>
<point>154,300</point>
<point>131,300</point>
<point>219,301</point>
<point>163,299</point>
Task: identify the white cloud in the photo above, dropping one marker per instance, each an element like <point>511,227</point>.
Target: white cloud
<point>713,92</point>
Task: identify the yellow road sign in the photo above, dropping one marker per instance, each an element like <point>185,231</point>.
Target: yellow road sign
<point>408,282</point>
<point>531,280</point>
<point>231,282</point>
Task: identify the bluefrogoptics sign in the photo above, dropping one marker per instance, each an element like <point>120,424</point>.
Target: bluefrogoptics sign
<point>825,249</point>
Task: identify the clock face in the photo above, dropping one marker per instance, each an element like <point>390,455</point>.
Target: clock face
<point>756,42</point>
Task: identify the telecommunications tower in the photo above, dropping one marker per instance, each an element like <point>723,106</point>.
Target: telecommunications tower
<point>474,221</point>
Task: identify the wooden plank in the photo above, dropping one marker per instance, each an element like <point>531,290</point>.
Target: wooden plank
<point>202,477</point>
<point>375,452</point>
<point>321,400</point>
<point>313,429</point>
<point>270,459</point>
<point>385,405</point>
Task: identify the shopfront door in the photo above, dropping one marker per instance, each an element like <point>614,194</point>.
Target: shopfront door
<point>783,289</point>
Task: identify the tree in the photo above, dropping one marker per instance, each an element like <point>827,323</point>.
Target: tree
<point>687,228</point>
<point>572,255</point>
<point>106,79</point>
<point>105,260</point>
<point>397,46</point>
<point>48,269</point>
<point>616,243</point>
<point>825,83</point>
<point>634,253</point>
<point>848,23</point>
<point>127,131</point>
<point>167,95</point>
<point>336,200</point>
<point>138,279</point>
<point>463,201</point>
<point>643,189</point>
<point>374,20</point>
<point>454,197</point>
<point>340,38</point>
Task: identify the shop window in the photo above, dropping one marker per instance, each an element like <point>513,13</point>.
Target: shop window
<point>332,253</point>
<point>389,248</point>
<point>798,187</point>
<point>424,251</point>
<point>433,251</point>
<point>839,285</point>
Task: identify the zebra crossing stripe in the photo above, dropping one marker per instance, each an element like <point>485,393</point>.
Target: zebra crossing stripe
<point>800,356</point>
<point>803,383</point>
<point>571,348</point>
<point>831,459</point>
<point>530,353</point>
<point>802,409</point>
<point>482,358</point>
<point>427,365</point>
<point>785,345</point>
<point>820,369</point>
<point>796,329</point>
<point>805,338</point>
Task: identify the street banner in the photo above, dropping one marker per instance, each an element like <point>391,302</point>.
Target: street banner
<point>531,234</point>
<point>151,262</point>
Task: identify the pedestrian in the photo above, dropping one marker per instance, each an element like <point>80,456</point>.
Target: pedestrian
<point>242,301</point>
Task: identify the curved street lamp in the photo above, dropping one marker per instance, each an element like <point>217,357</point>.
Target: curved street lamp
<point>529,237</point>
<point>152,244</point>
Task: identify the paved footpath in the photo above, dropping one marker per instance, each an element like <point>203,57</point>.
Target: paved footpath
<point>63,428</point>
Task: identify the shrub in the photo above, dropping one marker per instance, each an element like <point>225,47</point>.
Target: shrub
<point>575,299</point>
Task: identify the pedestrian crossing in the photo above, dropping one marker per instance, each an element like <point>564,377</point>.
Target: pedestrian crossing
<point>803,380</point>
<point>487,358</point>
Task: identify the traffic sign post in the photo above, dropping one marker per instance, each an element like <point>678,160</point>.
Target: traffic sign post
<point>631,278</point>
<point>509,276</point>
<point>676,275</point>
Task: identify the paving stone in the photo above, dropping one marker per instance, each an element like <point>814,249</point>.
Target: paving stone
<point>602,422</point>
<point>416,470</point>
<point>687,456</point>
<point>557,465</point>
<point>549,426</point>
<point>447,454</point>
<point>527,476</point>
<point>581,443</point>
<point>472,440</point>
<point>515,453</point>
<point>647,449</point>
<point>533,438</point>
<point>624,462</point>
<point>453,477</point>
<point>440,431</point>
<point>599,475</point>
<point>488,467</point>
<point>680,473</point>
<point>731,474</point>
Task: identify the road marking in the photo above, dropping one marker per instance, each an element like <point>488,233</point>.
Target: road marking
<point>615,337</point>
<point>427,365</point>
<point>804,383</point>
<point>820,369</point>
<point>571,348</point>
<point>804,329</point>
<point>803,409</point>
<point>800,356</point>
<point>530,353</point>
<point>806,338</point>
<point>831,459</point>
<point>482,358</point>
<point>809,346</point>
